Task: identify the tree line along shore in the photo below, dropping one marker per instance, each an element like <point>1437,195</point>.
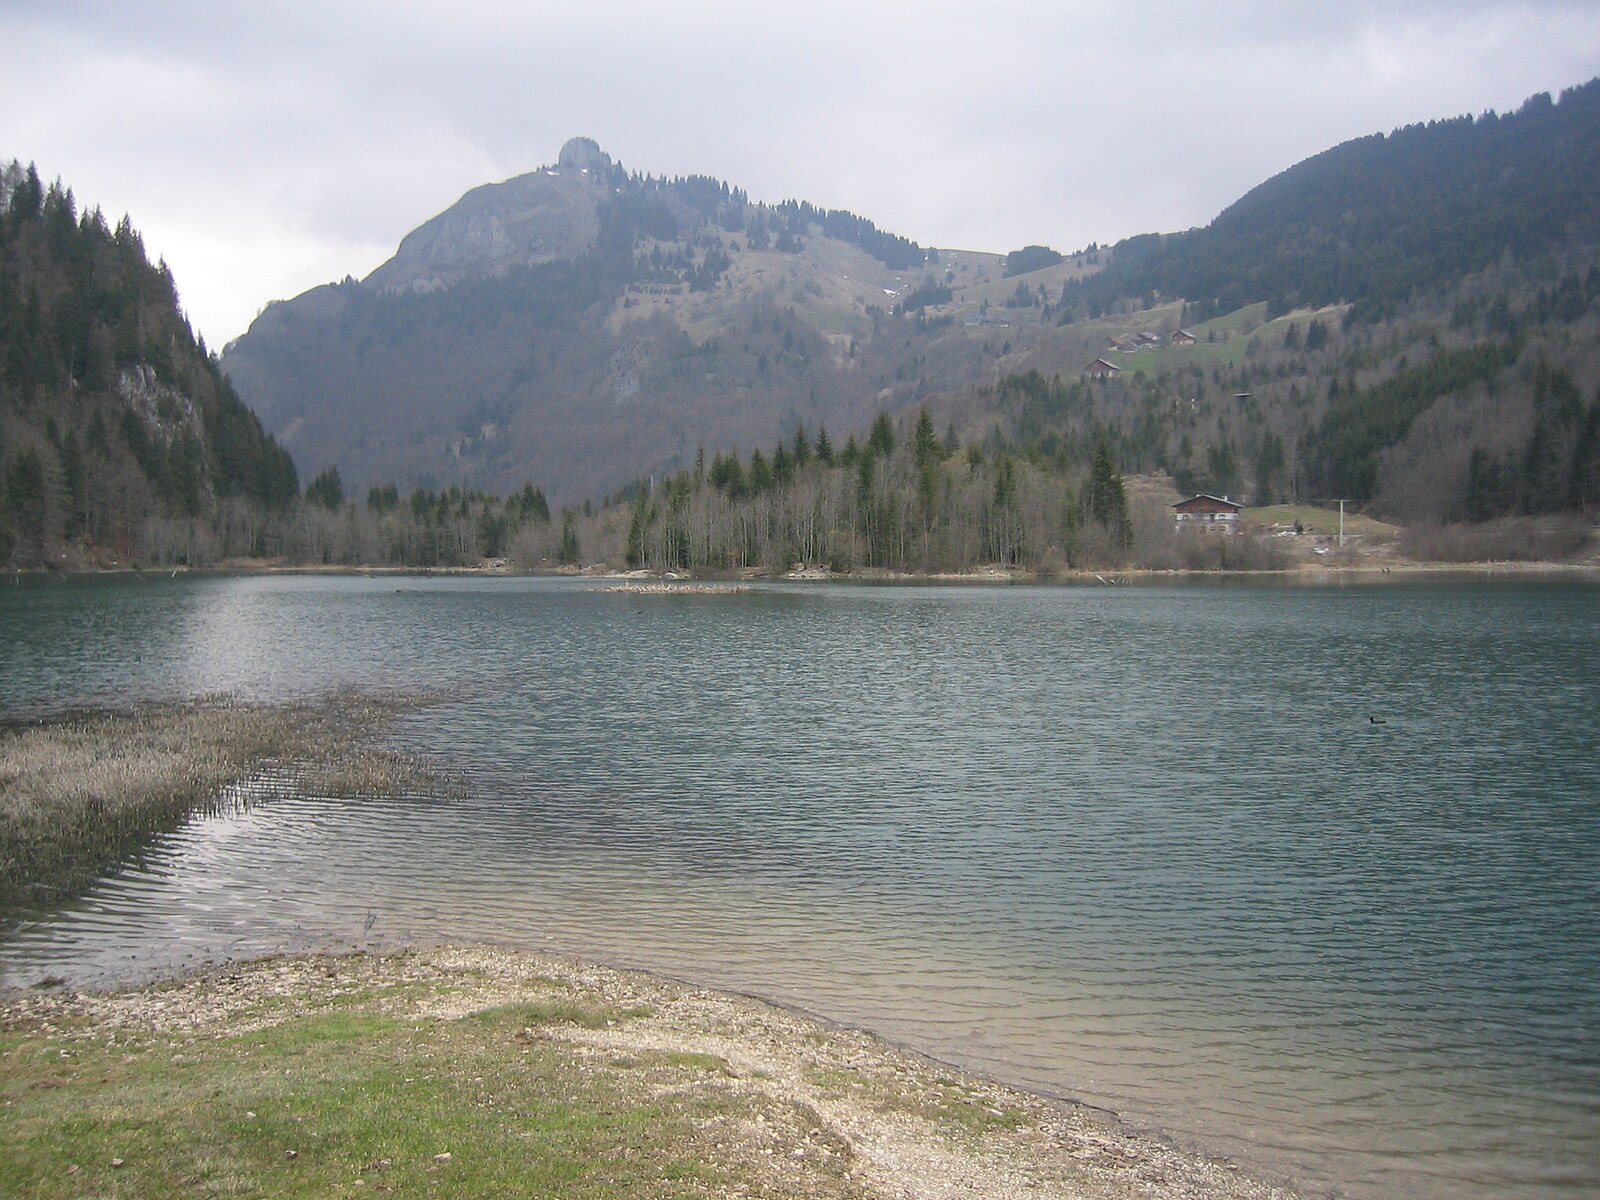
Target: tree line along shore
<point>893,505</point>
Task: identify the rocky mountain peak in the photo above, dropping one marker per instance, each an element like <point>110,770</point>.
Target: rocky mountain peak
<point>584,154</point>
<point>544,215</point>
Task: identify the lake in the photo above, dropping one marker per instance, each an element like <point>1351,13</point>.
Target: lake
<point>1140,846</point>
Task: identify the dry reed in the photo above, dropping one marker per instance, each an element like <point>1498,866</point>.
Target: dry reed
<point>79,792</point>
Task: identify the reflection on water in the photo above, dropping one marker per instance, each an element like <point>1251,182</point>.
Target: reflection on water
<point>1143,847</point>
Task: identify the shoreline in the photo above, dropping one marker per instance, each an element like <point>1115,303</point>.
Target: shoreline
<point>848,1113</point>
<point>1310,573</point>
<point>894,1110</point>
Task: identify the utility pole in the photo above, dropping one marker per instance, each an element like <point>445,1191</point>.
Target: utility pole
<point>1341,524</point>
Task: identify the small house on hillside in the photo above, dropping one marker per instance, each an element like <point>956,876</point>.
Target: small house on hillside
<point>1183,338</point>
<point>1208,514</point>
<point>1101,369</point>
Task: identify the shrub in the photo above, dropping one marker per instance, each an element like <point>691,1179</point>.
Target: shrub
<point>1509,539</point>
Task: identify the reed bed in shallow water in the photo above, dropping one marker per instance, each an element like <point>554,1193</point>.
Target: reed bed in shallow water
<point>78,793</point>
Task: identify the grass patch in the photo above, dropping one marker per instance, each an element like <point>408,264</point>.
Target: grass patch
<point>310,1107</point>
<point>1152,359</point>
<point>1323,522</point>
<point>1239,321</point>
<point>352,1103</point>
<point>692,1060</point>
<point>77,794</point>
<point>564,1012</point>
<point>943,1102</point>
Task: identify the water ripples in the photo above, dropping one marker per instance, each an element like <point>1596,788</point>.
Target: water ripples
<point>1141,847</point>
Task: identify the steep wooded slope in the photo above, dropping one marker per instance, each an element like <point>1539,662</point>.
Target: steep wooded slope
<point>1374,220</point>
<point>116,427</point>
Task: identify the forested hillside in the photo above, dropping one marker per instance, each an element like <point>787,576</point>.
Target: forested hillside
<point>1401,323</point>
<point>1377,220</point>
<point>119,436</point>
<point>1406,324</point>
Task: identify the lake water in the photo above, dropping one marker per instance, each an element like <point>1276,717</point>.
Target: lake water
<point>1138,846</point>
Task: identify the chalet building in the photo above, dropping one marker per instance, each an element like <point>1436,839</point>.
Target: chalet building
<point>1101,369</point>
<point>1183,338</point>
<point>1208,514</point>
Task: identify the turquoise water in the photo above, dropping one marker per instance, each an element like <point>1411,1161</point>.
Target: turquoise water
<point>1138,846</point>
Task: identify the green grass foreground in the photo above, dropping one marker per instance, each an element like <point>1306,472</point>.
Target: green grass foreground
<point>343,1100</point>
<point>470,1072</point>
<point>79,793</point>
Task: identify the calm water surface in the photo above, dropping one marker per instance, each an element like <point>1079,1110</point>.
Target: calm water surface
<point>1138,846</point>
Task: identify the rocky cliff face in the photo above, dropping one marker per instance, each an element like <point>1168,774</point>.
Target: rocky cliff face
<point>540,217</point>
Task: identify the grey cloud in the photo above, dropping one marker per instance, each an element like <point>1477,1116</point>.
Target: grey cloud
<point>326,132</point>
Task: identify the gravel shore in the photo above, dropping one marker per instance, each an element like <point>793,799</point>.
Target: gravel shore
<point>819,1111</point>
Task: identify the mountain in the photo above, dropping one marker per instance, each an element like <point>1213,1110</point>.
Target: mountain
<point>1404,322</point>
<point>119,435</point>
<point>1373,220</point>
<point>582,326</point>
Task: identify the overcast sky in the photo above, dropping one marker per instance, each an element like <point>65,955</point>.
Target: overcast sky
<point>266,148</point>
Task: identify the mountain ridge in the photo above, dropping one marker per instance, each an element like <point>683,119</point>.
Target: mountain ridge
<point>694,319</point>
<point>1370,219</point>
<point>558,287</point>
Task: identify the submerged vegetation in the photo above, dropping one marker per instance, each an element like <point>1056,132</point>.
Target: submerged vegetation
<point>80,793</point>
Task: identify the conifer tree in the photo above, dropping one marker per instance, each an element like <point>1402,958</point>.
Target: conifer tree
<point>925,442</point>
<point>880,440</point>
<point>802,446</point>
<point>1105,499</point>
<point>568,552</point>
<point>824,446</point>
<point>326,490</point>
<point>760,473</point>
